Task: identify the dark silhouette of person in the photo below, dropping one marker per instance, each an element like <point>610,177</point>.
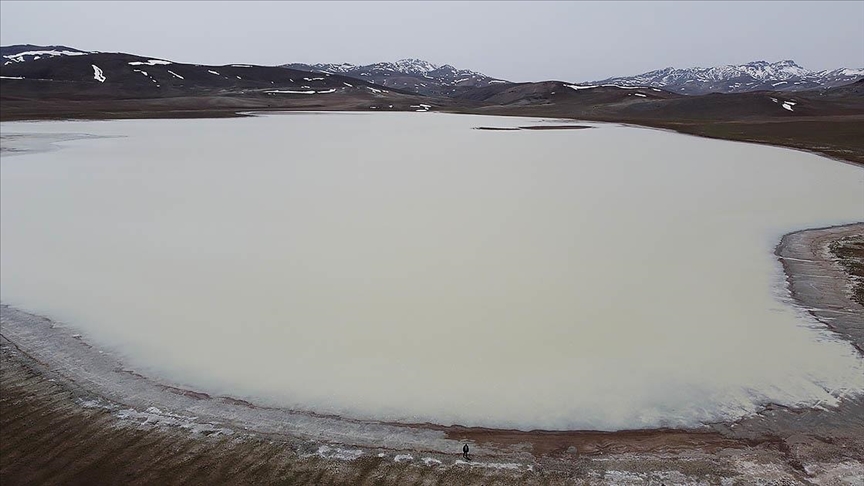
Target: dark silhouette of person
<point>465,452</point>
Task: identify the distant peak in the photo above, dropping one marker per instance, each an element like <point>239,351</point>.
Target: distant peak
<point>413,60</point>
<point>782,75</point>
<point>414,65</point>
<point>784,62</point>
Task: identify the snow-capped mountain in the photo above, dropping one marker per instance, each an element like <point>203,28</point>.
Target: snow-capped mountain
<point>415,75</point>
<point>28,52</point>
<point>753,76</point>
<point>29,70</point>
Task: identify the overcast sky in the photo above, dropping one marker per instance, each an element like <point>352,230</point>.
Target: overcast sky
<point>570,41</point>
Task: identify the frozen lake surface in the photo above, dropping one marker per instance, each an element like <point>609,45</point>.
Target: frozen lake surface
<point>406,267</point>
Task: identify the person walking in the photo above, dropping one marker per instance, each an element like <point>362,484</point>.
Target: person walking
<point>465,452</point>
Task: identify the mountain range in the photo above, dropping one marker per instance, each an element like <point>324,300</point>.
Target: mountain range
<point>413,75</point>
<point>424,78</point>
<point>777,103</point>
<point>753,76</point>
<point>428,79</point>
<point>67,72</point>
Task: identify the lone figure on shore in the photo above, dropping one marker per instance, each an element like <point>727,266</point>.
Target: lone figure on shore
<point>465,452</point>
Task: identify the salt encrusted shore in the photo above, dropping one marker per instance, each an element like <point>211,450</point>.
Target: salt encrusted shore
<point>71,413</point>
<point>819,283</point>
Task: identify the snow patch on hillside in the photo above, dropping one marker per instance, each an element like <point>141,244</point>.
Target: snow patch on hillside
<point>97,74</point>
<point>303,92</point>
<point>149,62</point>
<point>22,56</point>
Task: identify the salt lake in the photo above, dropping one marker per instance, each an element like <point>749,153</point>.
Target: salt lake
<point>406,267</point>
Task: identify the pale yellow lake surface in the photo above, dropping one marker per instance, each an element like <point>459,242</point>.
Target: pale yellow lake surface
<point>407,267</point>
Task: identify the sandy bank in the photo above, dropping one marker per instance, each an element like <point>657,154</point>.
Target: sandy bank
<point>819,283</point>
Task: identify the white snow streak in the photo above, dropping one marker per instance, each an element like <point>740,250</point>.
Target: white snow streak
<point>149,62</point>
<point>175,74</point>
<point>97,74</point>
<point>213,72</point>
<point>852,72</point>
<point>288,91</point>
<point>305,92</point>
<point>20,56</point>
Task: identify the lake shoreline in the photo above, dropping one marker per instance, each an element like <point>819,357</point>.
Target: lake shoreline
<point>777,136</point>
<point>93,387</point>
<point>810,267</point>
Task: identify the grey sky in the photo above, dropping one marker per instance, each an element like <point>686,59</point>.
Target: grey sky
<point>519,41</point>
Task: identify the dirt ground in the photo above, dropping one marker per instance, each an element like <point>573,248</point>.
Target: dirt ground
<point>48,437</point>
